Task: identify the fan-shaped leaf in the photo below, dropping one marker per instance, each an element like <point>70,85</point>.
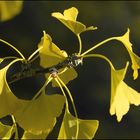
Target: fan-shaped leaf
<point>134,58</point>
<point>8,101</point>
<point>51,55</point>
<point>39,116</point>
<point>87,128</point>
<point>68,18</point>
<point>3,129</point>
<point>10,132</point>
<point>67,76</point>
<point>121,94</point>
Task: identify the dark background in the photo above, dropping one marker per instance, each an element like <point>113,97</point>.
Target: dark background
<point>91,89</point>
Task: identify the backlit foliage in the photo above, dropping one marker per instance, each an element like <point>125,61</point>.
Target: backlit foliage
<point>38,116</point>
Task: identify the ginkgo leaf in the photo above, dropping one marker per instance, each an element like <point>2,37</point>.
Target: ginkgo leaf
<point>9,9</point>
<point>9,133</point>
<point>71,13</point>
<point>3,130</point>
<point>8,101</point>
<point>67,76</point>
<point>87,128</point>
<point>28,135</point>
<point>134,58</point>
<point>68,18</point>
<point>39,116</point>
<point>121,94</point>
<point>51,55</point>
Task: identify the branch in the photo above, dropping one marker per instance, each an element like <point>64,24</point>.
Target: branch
<point>70,62</point>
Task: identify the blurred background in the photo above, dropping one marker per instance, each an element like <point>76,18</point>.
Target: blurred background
<point>91,89</point>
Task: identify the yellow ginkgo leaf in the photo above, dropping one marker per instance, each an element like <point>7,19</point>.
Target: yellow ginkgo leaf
<point>9,9</point>
<point>39,116</point>
<point>9,133</point>
<point>8,101</point>
<point>121,94</point>
<point>67,76</point>
<point>87,128</point>
<point>134,58</point>
<point>28,135</point>
<point>51,55</point>
<point>3,130</point>
<point>68,18</point>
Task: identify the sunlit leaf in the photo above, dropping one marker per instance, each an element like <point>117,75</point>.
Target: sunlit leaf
<point>28,135</point>
<point>121,94</point>
<point>9,9</point>
<point>68,18</point>
<point>39,116</point>
<point>9,133</point>
<point>3,129</point>
<point>71,13</point>
<point>8,101</point>
<point>87,128</point>
<point>51,55</point>
<point>134,58</point>
<point>67,76</point>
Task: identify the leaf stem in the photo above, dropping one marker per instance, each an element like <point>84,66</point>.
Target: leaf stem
<point>100,56</point>
<point>64,70</point>
<point>72,101</point>
<point>10,57</point>
<point>33,54</point>
<point>80,44</point>
<point>46,83</point>
<point>97,45</point>
<point>14,123</point>
<point>10,45</point>
<point>62,91</point>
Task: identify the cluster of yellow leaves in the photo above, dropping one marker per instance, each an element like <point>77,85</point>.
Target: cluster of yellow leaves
<point>51,55</point>
<point>121,94</point>
<point>51,52</point>
<point>38,116</point>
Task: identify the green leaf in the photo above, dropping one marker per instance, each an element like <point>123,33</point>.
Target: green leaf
<point>134,58</point>
<point>68,18</point>
<point>121,94</point>
<point>87,128</point>
<point>9,9</point>
<point>8,101</point>
<point>39,116</point>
